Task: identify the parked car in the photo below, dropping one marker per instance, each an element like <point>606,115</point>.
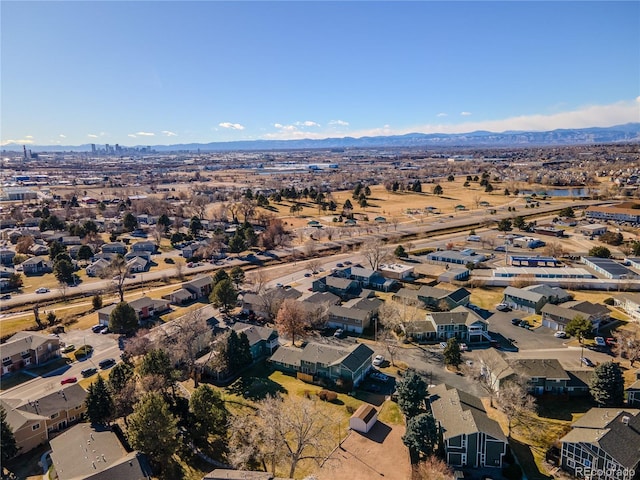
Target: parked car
<point>307,274</point>
<point>87,372</point>
<point>104,331</point>
<point>69,348</point>
<point>524,324</point>
<point>347,262</point>
<point>64,381</point>
<point>502,307</point>
<point>97,328</point>
<point>600,341</point>
<point>586,362</point>
<point>463,347</point>
<point>106,363</point>
<point>611,341</point>
<point>42,290</point>
<point>515,321</point>
<point>443,344</point>
<point>500,248</point>
<point>339,333</point>
<point>339,265</point>
<point>6,296</point>
<point>560,334</point>
<point>378,360</point>
<point>381,377</point>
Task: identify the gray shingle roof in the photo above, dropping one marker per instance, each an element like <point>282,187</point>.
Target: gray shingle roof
<point>459,413</point>
<point>540,368</point>
<point>604,427</point>
<point>255,333</point>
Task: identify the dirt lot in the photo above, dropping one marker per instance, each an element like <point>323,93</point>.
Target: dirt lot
<point>378,454</point>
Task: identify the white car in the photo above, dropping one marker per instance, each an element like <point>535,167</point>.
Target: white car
<point>502,307</point>
<point>42,290</point>
<point>600,341</point>
<point>560,334</point>
<point>378,360</point>
<point>463,347</point>
<point>443,344</point>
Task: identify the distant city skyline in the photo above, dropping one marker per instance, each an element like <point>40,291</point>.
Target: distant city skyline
<point>163,72</point>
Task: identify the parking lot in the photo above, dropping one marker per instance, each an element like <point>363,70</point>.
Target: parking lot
<point>524,339</point>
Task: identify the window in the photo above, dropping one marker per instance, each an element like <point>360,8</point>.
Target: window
<point>571,463</point>
<point>35,427</point>
<point>55,415</point>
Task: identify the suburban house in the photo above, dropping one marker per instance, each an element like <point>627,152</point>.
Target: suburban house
<point>138,265</point>
<point>319,360</point>
<point>190,291</point>
<point>6,256</point>
<point>342,287</point>
<point>470,438</point>
<point>531,299</point>
<point>144,307</point>
<point>542,375</point>
<point>26,349</point>
<point>434,298</point>
<point>495,369</point>
<point>114,247</point>
<point>367,278</point>
<point>556,317</point>
<point>633,392</point>
<point>87,452</point>
<point>461,323</point>
<point>354,316</point>
<point>603,439</point>
<point>263,341</point>
<point>630,303</point>
<point>96,268</point>
<point>262,305</point>
<point>144,246</point>
<point>36,266</point>
<point>33,421</point>
<point>364,418</point>
<point>199,286</point>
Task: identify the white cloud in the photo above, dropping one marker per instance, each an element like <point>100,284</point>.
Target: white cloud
<point>25,140</point>
<point>441,114</point>
<point>62,136</point>
<point>132,135</point>
<point>91,135</point>
<point>29,136</point>
<point>307,123</point>
<point>232,126</point>
<point>340,123</point>
<point>168,133</point>
<point>465,114</point>
<point>145,134</point>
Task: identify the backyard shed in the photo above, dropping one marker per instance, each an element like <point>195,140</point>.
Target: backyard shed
<point>364,418</point>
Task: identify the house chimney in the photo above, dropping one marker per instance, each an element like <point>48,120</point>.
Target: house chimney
<point>625,420</point>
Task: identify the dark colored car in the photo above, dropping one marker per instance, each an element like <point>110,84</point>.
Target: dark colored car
<point>515,321</point>
<point>87,372</point>
<point>106,363</point>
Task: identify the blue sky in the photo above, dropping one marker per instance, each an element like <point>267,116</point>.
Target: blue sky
<point>155,72</point>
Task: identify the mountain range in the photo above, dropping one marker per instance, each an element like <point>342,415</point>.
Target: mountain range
<point>629,132</point>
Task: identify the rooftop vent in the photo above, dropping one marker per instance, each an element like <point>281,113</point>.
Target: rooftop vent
<point>625,420</point>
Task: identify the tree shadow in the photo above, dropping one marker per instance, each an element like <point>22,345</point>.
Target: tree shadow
<point>255,387</point>
<point>525,457</point>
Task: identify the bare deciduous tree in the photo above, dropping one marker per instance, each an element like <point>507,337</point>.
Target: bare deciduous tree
<point>314,265</point>
<point>374,253</point>
<point>628,345</point>
<point>185,338</point>
<point>433,468</point>
<point>118,270</point>
<point>291,319</point>
<point>281,434</point>
<point>515,403</point>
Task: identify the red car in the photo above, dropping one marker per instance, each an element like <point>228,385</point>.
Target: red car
<point>611,341</point>
<point>68,380</point>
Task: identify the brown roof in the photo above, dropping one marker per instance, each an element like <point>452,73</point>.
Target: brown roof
<point>365,412</point>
